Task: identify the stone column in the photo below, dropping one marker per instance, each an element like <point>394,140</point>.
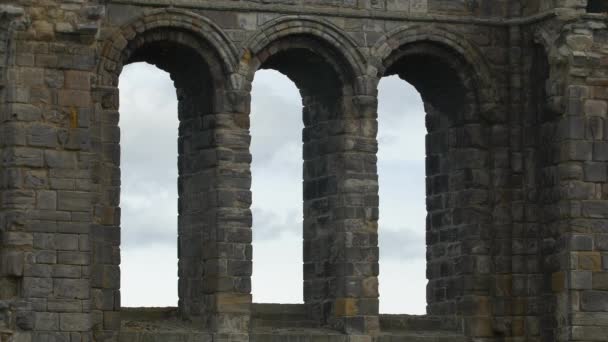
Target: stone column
<point>47,194</point>
<point>341,212</point>
<point>578,247</point>
<point>355,213</point>
<point>225,160</point>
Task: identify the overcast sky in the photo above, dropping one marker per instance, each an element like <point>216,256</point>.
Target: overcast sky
<point>149,194</point>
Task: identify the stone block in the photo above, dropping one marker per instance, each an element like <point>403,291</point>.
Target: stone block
<point>77,80</point>
<point>64,305</point>
<point>67,271</point>
<point>24,112</point>
<point>591,261</point>
<point>106,276</point>
<point>46,336</point>
<point>74,321</point>
<point>37,270</point>
<point>45,257</point>
<point>26,157</point>
<point>42,136</point>
<point>596,172</point>
<point>60,159</point>
<point>595,209</point>
<point>581,242</point>
<point>37,287</point>
<point>12,263</point>
<point>46,321</point>
<point>581,280</point>
<point>46,200</point>
<point>74,98</point>
<point>111,320</point>
<point>71,288</point>
<point>18,239</point>
<point>588,333</point>
<point>398,5</point>
<point>419,6</point>
<point>594,301</point>
<point>596,108</point>
<point>67,242</point>
<point>74,258</point>
<point>600,151</point>
<point>600,281</point>
<point>74,201</point>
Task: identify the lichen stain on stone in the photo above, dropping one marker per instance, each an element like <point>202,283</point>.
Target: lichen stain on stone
<point>73,118</point>
<point>247,56</point>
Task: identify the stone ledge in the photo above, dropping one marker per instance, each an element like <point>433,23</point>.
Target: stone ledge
<point>215,5</point>
<point>282,323</point>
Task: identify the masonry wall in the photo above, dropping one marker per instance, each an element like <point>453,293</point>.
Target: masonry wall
<point>516,187</point>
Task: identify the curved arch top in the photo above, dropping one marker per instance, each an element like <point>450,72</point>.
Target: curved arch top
<point>403,36</point>
<point>286,26</point>
<point>170,18</point>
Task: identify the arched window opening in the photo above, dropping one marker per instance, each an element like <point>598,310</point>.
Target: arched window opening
<point>457,181</point>
<point>186,63</point>
<point>597,6</point>
<point>318,96</point>
<point>401,172</point>
<point>277,207</point>
<point>149,130</point>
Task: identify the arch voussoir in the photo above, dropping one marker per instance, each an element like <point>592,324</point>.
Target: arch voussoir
<point>402,37</point>
<point>325,32</point>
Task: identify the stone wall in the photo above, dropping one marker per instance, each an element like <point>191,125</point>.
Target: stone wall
<point>516,103</point>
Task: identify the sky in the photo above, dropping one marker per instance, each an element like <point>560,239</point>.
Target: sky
<point>149,124</point>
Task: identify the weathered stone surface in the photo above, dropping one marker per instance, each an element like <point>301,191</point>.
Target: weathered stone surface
<point>516,105</point>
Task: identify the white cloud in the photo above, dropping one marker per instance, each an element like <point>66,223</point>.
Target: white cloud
<point>149,198</point>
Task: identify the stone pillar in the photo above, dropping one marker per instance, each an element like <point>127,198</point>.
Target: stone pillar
<point>578,262</point>
<point>355,211</point>
<point>47,195</point>
<point>224,160</point>
<point>341,212</point>
<point>105,235</point>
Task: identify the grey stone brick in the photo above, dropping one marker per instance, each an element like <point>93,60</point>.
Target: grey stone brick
<point>60,159</point>
<point>74,321</point>
<point>594,301</point>
<point>74,201</point>
<point>596,172</point>
<point>37,287</point>
<point>581,280</point>
<point>46,321</point>
<point>74,258</point>
<point>65,305</point>
<point>42,136</point>
<point>71,288</point>
<point>67,242</point>
<point>67,271</point>
<point>46,200</point>
<point>22,156</point>
<point>25,112</point>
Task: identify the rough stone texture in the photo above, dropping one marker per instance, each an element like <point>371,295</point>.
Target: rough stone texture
<point>516,97</point>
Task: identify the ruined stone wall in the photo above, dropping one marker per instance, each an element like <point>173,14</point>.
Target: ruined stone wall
<point>516,105</point>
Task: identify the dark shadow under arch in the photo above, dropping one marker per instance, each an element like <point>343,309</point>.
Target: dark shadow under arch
<point>597,6</point>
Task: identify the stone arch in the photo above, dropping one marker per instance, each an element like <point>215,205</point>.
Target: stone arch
<point>338,136</point>
<point>460,99</point>
<point>298,26</point>
<point>112,52</point>
<point>480,72</point>
<point>199,57</point>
